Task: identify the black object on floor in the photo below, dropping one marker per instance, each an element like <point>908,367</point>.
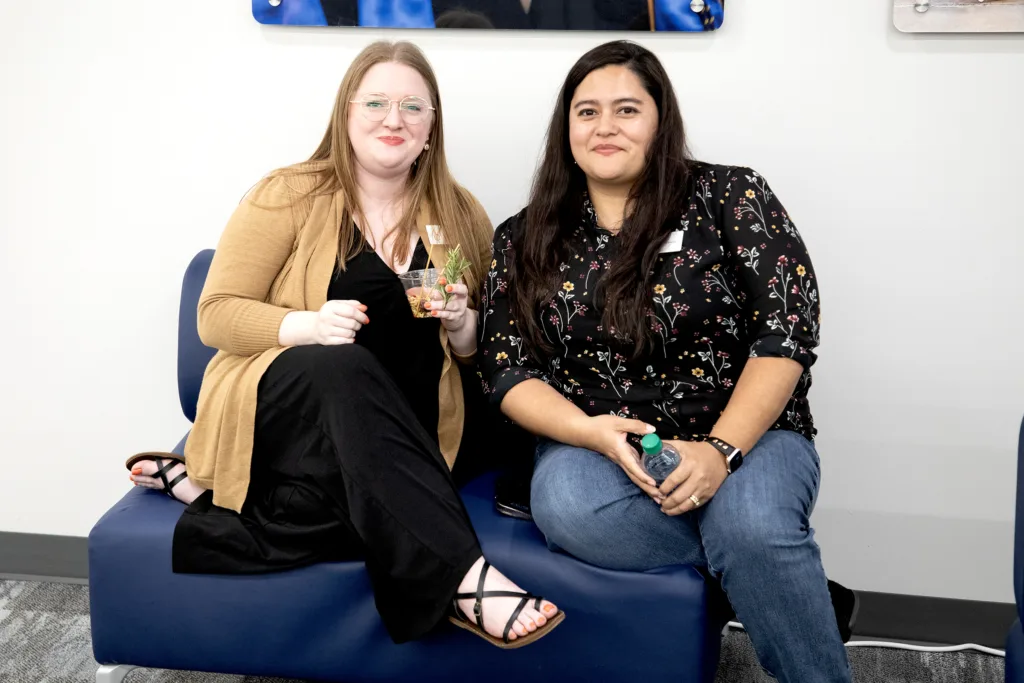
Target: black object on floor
<point>846,604</point>
<point>512,493</point>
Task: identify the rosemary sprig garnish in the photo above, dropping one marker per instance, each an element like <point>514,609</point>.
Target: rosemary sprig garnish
<point>456,266</point>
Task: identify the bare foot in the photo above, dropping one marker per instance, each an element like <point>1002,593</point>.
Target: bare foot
<point>497,611</point>
<point>143,475</point>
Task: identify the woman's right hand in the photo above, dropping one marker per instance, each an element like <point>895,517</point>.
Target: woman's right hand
<point>607,434</point>
<point>337,322</point>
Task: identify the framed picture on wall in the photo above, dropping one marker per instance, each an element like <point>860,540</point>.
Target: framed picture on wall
<point>959,16</point>
<point>582,15</point>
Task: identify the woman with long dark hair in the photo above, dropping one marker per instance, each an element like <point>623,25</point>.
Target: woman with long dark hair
<point>642,291</point>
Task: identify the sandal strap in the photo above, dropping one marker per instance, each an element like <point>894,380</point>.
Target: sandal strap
<point>163,470</point>
<point>478,606</point>
<point>154,456</point>
<point>512,619</point>
<point>498,594</point>
<point>458,611</point>
<point>480,595</point>
<point>177,480</point>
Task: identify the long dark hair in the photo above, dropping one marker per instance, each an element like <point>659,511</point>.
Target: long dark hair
<point>657,201</point>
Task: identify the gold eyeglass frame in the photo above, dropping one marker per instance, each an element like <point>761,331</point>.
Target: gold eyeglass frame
<point>382,97</point>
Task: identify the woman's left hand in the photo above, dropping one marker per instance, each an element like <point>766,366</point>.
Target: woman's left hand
<point>452,314</point>
<point>700,474</point>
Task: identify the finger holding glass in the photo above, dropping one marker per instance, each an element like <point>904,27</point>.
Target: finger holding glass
<point>449,303</point>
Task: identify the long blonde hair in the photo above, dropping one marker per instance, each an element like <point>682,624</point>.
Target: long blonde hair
<point>460,216</point>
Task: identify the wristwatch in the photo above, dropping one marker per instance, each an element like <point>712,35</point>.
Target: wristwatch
<point>733,455</point>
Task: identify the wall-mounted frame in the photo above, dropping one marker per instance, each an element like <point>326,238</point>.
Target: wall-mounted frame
<point>584,15</point>
<point>959,16</point>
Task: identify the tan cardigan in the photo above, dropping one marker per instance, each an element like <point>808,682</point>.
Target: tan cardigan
<point>276,256</point>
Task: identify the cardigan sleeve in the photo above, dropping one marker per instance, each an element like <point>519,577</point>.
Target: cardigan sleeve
<point>233,315</point>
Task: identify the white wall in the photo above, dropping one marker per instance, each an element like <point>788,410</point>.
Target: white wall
<point>129,130</point>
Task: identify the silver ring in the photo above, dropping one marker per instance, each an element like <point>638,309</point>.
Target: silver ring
<point>696,501</point>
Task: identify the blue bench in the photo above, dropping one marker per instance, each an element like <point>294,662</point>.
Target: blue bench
<point>319,622</point>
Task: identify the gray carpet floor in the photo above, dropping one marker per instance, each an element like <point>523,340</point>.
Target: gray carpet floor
<point>44,638</point>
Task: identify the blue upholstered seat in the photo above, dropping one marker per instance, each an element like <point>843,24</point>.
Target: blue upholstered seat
<point>320,623</point>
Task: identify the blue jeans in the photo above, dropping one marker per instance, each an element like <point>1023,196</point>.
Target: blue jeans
<point>754,534</point>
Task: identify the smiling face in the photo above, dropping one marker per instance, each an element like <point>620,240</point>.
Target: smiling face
<point>612,121</point>
<point>388,148</point>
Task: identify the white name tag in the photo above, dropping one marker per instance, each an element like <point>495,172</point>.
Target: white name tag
<point>434,235</point>
<point>674,242</point>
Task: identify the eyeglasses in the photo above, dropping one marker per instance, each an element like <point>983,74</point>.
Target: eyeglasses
<point>376,107</point>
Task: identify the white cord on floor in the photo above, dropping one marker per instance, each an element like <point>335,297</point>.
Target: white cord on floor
<point>928,648</point>
<point>906,646</point>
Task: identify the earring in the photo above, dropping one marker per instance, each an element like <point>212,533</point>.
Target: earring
<point>426,147</point>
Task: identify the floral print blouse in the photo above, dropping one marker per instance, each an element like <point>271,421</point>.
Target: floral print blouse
<point>740,286</point>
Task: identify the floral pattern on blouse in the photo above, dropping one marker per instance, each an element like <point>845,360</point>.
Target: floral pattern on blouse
<point>741,286</point>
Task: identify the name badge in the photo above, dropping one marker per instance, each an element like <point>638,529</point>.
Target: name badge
<point>674,242</point>
<point>435,236</point>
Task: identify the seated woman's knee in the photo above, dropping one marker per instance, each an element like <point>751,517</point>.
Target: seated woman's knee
<point>338,366</point>
<point>745,533</point>
<point>559,502</point>
<point>757,522</point>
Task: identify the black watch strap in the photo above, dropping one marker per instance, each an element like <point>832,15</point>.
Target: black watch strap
<point>733,455</point>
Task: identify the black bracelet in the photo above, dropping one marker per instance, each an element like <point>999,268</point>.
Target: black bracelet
<point>733,455</point>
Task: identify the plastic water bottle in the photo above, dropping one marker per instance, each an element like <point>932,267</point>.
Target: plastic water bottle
<point>659,459</point>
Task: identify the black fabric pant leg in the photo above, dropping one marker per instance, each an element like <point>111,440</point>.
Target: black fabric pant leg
<point>288,519</point>
<point>391,482</point>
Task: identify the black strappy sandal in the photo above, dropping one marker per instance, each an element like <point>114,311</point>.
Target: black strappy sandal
<point>462,621</point>
<point>162,469</point>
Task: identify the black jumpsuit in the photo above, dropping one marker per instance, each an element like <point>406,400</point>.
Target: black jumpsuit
<point>346,464</point>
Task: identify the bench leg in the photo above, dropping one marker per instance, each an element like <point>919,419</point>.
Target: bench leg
<point>112,674</point>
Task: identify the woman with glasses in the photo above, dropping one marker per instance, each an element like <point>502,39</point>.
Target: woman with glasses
<point>331,416</point>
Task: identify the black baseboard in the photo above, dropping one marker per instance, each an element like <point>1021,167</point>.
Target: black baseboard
<point>42,555</point>
<point>885,616</point>
<point>893,616</point>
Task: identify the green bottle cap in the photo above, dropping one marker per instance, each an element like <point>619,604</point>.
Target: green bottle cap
<point>651,444</point>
